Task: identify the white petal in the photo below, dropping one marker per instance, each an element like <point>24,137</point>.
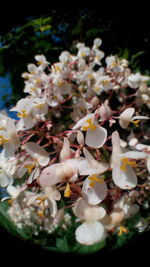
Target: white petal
<point>52,175</point>
<point>13,191</point>
<point>142,147</point>
<point>5,180</point>
<point>8,150</point>
<point>90,233</point>
<point>96,138</point>
<point>99,167</point>
<point>124,179</point>
<point>96,194</point>
<point>87,212</point>
<point>38,153</point>
<point>34,175</point>
<point>133,155</point>
<point>81,122</point>
<point>65,151</point>
<point>116,149</point>
<point>148,164</point>
<point>24,124</point>
<point>140,118</point>
<point>125,117</point>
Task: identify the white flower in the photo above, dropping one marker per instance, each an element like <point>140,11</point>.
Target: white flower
<point>127,116</point>
<point>94,189</point>
<point>41,60</point>
<point>83,52</point>
<point>103,83</point>
<point>91,231</point>
<point>134,80</point>
<point>7,170</point>
<point>113,63</point>
<point>8,135</point>
<point>127,207</point>
<point>122,172</point>
<point>23,108</point>
<point>95,135</point>
<point>52,195</point>
<point>39,157</point>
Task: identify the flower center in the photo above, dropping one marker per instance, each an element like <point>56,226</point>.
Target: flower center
<point>22,114</point>
<point>125,162</point>
<point>3,140</point>
<point>89,125</point>
<point>136,123</point>
<point>93,178</point>
<point>29,167</point>
<point>122,230</point>
<point>67,191</point>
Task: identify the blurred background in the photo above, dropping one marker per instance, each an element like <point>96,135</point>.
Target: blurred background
<point>26,32</point>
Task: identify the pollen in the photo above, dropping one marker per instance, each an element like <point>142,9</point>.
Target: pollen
<point>67,191</point>
<point>136,123</point>
<point>22,114</point>
<point>39,106</point>
<point>89,125</point>
<point>125,162</point>
<point>29,167</point>
<point>93,178</point>
<point>3,140</point>
<point>122,230</point>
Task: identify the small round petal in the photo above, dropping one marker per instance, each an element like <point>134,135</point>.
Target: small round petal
<point>38,153</point>
<point>96,138</point>
<point>90,233</point>
<point>124,179</point>
<point>94,194</point>
<point>87,212</point>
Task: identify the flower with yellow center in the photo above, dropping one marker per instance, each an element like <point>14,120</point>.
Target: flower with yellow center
<point>95,134</point>
<point>3,140</point>
<point>94,189</point>
<point>93,178</point>
<point>90,125</point>
<point>125,162</point>
<point>22,114</point>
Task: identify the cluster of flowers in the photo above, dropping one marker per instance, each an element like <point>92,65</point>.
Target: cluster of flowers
<point>79,146</point>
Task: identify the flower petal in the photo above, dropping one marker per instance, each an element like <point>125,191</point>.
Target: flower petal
<point>87,212</point>
<point>90,233</point>
<point>125,117</point>
<point>94,194</point>
<point>51,175</point>
<point>83,120</point>
<point>96,138</point>
<point>124,179</point>
<point>38,153</point>
<point>133,155</point>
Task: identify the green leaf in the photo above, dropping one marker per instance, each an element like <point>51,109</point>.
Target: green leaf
<point>62,245</point>
<point>82,249</point>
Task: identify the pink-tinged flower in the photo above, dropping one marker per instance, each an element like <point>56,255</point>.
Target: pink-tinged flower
<point>95,135</point>
<point>67,170</point>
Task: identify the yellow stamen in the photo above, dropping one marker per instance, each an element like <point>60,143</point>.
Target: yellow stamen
<point>29,167</point>
<point>125,162</point>
<point>41,200</point>
<point>67,191</point>
<point>3,140</point>
<point>39,106</point>
<point>96,88</point>
<point>2,128</point>
<point>122,230</point>
<point>105,82</point>
<point>93,178</point>
<point>136,123</point>
<point>22,114</point>
<point>10,201</point>
<point>89,126</point>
